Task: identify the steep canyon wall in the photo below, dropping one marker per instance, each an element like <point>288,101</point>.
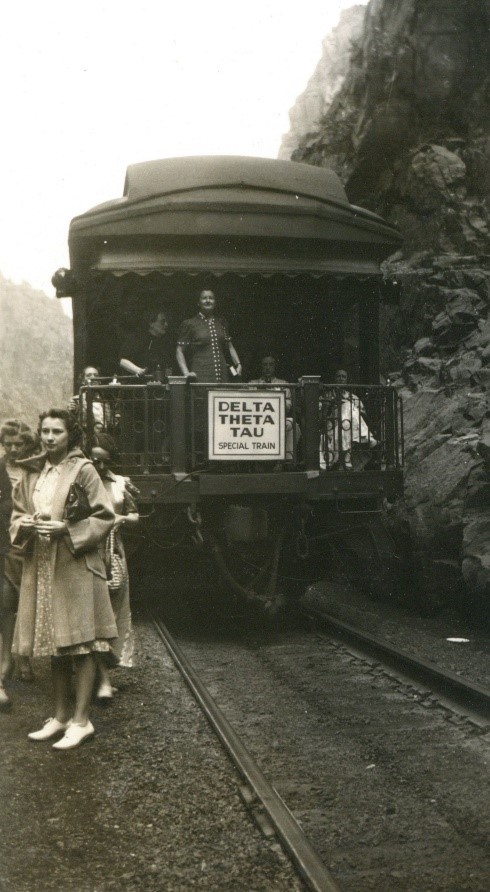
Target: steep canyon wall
<point>406,125</point>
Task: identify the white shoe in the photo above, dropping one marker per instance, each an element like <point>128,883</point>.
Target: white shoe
<point>75,734</point>
<point>50,728</point>
<point>105,691</point>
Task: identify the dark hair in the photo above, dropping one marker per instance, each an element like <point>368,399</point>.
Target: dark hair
<point>151,314</point>
<point>105,441</point>
<point>69,420</point>
<point>81,377</point>
<point>12,427</point>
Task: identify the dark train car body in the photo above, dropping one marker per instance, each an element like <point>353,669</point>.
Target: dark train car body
<point>296,271</point>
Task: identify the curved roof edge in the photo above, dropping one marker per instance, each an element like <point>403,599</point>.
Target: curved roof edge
<point>228,213</point>
<point>150,179</point>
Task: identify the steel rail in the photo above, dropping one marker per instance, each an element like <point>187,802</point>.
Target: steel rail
<point>304,857</point>
<point>466,697</point>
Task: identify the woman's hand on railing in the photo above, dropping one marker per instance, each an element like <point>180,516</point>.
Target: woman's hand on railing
<point>132,368</point>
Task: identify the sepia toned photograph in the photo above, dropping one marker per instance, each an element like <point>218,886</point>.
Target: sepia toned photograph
<point>245,446</point>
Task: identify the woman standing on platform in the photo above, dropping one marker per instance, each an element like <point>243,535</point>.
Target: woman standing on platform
<point>202,343</point>
<point>61,515</point>
<point>104,454</point>
<point>89,377</point>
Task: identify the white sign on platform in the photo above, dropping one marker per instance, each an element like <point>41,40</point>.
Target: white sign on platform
<point>247,426</point>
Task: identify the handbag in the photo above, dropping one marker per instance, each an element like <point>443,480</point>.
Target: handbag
<point>77,505</point>
<point>116,567</point>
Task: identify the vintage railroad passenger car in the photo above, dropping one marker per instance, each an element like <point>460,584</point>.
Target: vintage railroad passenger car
<point>296,272</point>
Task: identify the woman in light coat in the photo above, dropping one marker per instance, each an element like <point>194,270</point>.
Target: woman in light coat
<point>61,515</point>
<point>104,454</point>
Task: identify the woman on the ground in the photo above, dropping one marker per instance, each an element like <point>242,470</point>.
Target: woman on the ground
<point>202,343</point>
<point>18,442</point>
<point>5,511</point>
<point>61,515</point>
<point>104,455</point>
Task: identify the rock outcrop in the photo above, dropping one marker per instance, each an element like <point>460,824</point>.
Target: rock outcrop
<point>408,132</point>
<point>325,82</point>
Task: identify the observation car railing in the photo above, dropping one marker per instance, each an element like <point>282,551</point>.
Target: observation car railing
<point>137,416</point>
<point>361,426</point>
<point>163,427</point>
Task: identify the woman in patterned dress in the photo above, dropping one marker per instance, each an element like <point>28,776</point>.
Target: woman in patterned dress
<point>104,454</point>
<point>18,442</point>
<point>202,344</point>
<point>61,516</point>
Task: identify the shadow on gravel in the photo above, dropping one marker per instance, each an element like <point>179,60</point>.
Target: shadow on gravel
<point>203,613</point>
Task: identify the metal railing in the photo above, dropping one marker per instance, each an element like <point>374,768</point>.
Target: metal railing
<point>361,427</point>
<point>162,427</point>
<point>137,416</point>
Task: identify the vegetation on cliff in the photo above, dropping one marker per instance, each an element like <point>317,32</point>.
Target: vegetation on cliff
<point>35,352</point>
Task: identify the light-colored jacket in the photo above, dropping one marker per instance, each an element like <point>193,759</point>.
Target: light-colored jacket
<point>81,603</point>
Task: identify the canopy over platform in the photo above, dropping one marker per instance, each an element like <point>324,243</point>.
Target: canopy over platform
<point>226,214</point>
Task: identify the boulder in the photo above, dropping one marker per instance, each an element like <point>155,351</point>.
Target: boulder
<point>433,177</point>
<point>424,347</point>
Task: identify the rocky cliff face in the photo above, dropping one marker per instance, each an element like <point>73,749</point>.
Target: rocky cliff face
<point>408,131</point>
<point>325,82</point>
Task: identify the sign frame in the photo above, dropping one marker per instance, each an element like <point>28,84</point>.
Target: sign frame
<point>217,430</point>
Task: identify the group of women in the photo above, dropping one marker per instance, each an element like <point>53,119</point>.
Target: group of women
<point>60,598</point>
<point>205,351</point>
<point>65,529</point>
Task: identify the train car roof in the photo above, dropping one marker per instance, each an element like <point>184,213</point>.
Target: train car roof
<point>230,214</point>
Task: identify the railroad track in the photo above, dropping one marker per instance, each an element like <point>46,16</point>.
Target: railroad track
<point>264,803</point>
<point>470,700</point>
<point>342,737</point>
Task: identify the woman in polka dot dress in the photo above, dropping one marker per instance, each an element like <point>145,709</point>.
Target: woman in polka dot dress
<point>202,343</point>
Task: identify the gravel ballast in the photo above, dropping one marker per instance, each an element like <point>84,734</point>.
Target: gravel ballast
<point>151,803</point>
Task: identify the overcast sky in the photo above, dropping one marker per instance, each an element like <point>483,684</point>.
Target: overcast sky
<point>88,88</point>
